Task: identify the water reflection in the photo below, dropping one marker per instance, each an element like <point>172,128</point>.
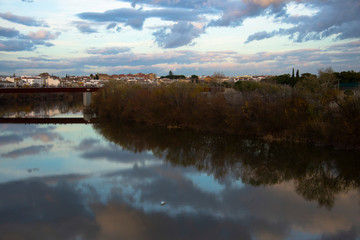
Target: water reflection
<point>318,173</point>
<point>71,182</point>
<point>26,105</point>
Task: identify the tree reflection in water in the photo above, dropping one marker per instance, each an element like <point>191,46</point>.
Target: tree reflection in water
<point>319,173</point>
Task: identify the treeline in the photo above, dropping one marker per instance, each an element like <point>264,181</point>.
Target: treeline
<point>312,111</point>
<point>343,77</point>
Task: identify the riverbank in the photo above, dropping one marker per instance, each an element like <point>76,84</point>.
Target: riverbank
<point>269,111</point>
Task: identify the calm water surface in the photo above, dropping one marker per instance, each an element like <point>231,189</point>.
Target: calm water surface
<point>107,181</point>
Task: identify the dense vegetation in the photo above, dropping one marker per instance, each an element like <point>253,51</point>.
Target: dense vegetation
<point>312,111</point>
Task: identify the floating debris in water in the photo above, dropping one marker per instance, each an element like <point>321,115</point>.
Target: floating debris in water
<point>162,203</point>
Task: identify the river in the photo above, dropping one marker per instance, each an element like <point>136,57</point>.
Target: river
<point>112,181</point>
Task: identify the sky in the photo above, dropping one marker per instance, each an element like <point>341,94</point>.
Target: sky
<point>235,37</point>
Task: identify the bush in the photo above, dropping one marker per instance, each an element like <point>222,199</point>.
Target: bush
<point>260,109</point>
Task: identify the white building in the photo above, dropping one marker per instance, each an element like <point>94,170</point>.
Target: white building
<point>52,82</point>
<point>6,84</point>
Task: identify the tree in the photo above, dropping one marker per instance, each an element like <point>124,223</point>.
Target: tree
<point>283,79</point>
<point>327,78</point>
<point>217,77</point>
<point>170,73</point>
<point>348,77</point>
<point>194,78</point>
<point>292,83</point>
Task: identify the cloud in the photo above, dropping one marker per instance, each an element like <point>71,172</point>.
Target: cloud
<point>31,150</point>
<point>108,50</point>
<point>21,42</point>
<point>87,144</point>
<point>111,26</point>
<point>85,27</point>
<point>320,25</point>
<point>27,21</point>
<point>260,36</point>
<point>115,154</point>
<point>180,34</point>
<point>46,137</point>
<point>16,45</point>
<point>135,18</point>
<point>8,32</point>
<point>48,212</point>
<point>10,139</point>
<point>39,59</point>
<point>28,1</point>
<point>197,62</point>
<point>43,35</point>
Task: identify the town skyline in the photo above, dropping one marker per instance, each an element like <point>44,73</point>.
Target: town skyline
<point>249,37</point>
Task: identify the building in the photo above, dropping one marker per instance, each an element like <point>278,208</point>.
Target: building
<point>6,84</point>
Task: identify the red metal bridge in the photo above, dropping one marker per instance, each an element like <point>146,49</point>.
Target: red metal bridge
<point>45,121</point>
<point>49,90</point>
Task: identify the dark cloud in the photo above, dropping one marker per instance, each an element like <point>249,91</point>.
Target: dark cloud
<point>8,32</point>
<point>85,27</point>
<point>338,19</point>
<point>173,3</point>
<point>111,26</point>
<point>345,47</point>
<point>16,45</point>
<point>43,134</point>
<point>21,42</point>
<point>31,150</point>
<point>108,51</point>
<point>196,62</point>
<point>10,139</point>
<point>60,179</point>
<point>352,234</point>
<point>87,144</point>
<point>115,154</point>
<point>27,21</point>
<point>178,35</point>
<point>320,25</point>
<point>38,59</point>
<point>92,150</point>
<point>260,36</point>
<point>34,210</point>
<point>136,17</point>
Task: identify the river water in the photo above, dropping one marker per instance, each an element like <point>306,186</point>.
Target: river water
<point>111,181</point>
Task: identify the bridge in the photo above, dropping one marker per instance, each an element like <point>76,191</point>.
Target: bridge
<point>85,90</point>
<point>49,89</point>
<point>46,121</point>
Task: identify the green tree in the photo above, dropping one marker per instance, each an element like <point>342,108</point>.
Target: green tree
<point>194,78</point>
<point>283,79</point>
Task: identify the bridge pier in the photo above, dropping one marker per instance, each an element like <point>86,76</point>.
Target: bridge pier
<point>86,99</point>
